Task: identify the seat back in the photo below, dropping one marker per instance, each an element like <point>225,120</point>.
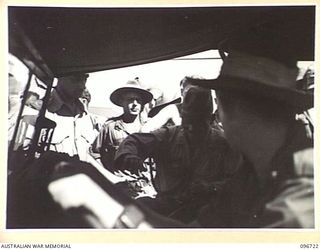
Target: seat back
<point>46,134</point>
<point>26,131</point>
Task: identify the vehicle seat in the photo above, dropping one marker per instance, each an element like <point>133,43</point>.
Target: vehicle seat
<point>26,131</point>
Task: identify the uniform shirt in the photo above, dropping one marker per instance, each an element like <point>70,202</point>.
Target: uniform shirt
<point>74,131</point>
<point>112,133</point>
<point>177,166</point>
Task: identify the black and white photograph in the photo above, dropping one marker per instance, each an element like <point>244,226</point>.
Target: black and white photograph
<point>144,118</point>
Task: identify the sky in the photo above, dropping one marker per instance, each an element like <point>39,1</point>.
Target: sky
<point>165,75</point>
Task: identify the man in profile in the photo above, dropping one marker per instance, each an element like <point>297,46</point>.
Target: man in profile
<point>258,100</point>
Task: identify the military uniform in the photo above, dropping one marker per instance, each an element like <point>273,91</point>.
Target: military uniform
<point>180,167</point>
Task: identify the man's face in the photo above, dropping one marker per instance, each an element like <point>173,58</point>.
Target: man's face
<point>235,123</point>
<point>184,87</point>
<point>132,103</point>
<point>73,86</point>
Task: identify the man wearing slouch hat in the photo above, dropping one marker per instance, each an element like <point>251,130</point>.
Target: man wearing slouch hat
<point>258,100</point>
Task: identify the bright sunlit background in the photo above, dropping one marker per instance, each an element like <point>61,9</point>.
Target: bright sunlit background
<point>165,75</point>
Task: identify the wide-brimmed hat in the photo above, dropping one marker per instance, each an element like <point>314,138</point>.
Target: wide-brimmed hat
<point>260,63</point>
<point>131,86</point>
<point>197,104</point>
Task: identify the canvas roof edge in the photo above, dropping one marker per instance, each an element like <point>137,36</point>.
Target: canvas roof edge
<point>22,44</point>
<point>22,47</point>
<point>196,47</point>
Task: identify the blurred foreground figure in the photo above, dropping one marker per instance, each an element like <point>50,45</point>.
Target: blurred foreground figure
<point>258,100</point>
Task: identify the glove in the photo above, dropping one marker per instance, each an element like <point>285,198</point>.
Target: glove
<point>132,163</point>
